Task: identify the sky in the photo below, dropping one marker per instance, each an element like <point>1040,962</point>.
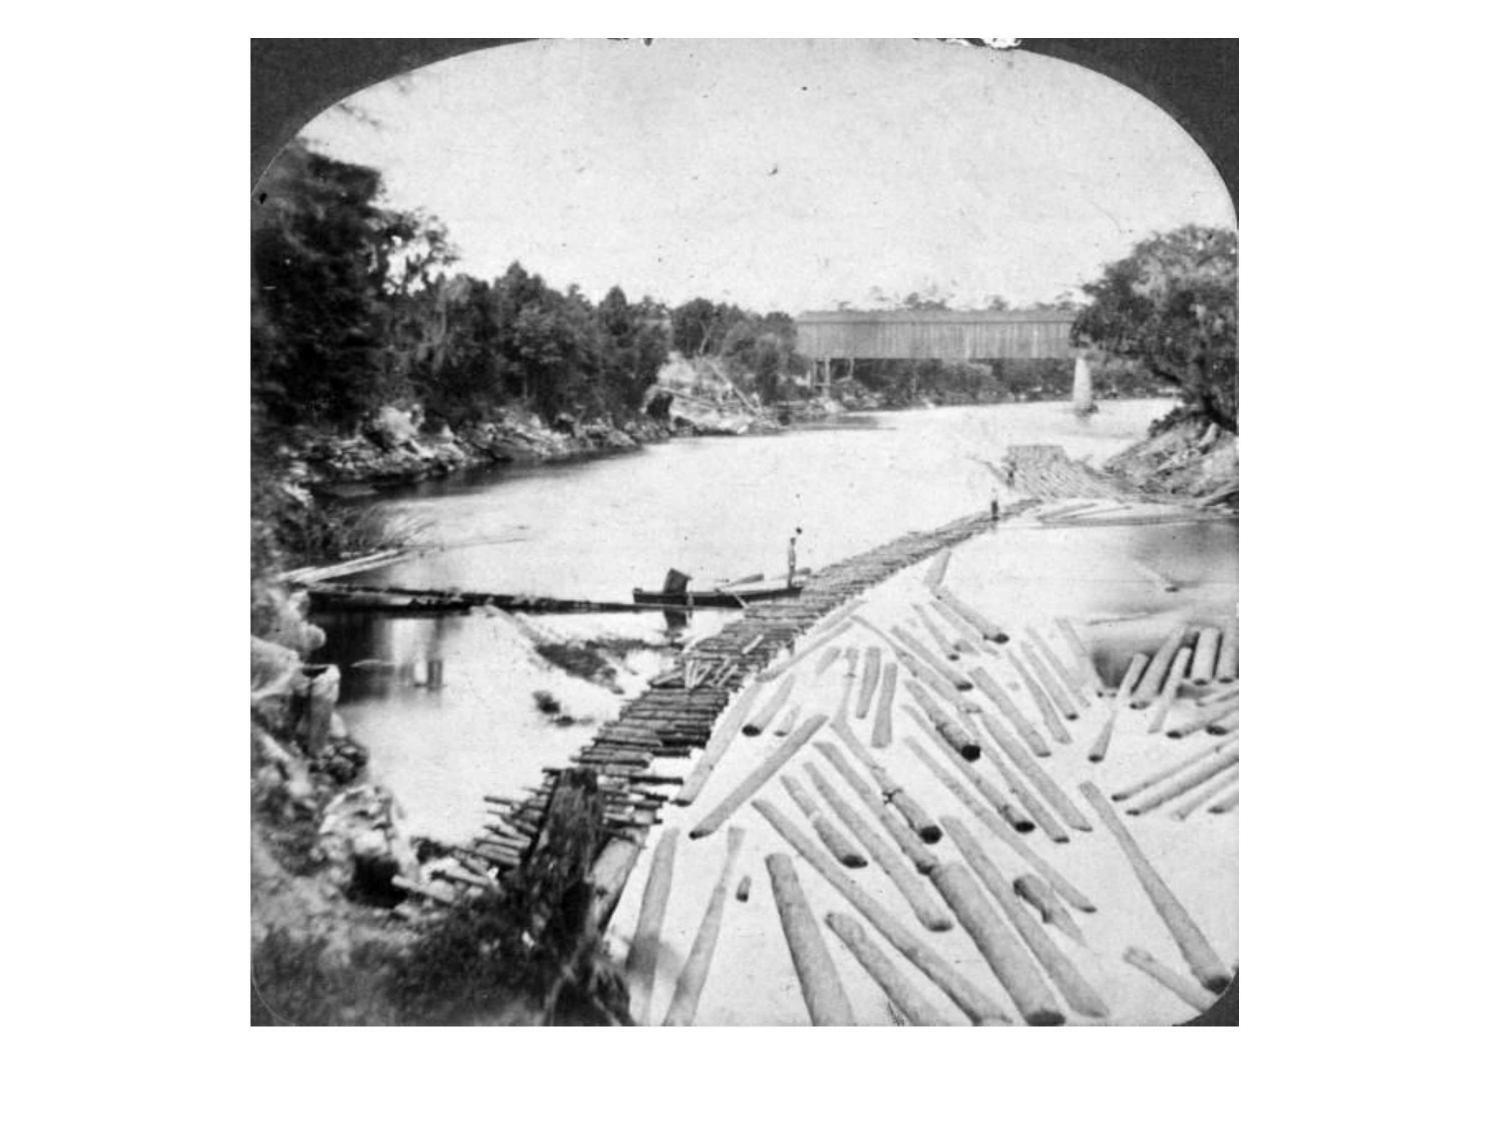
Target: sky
<point>780,173</point>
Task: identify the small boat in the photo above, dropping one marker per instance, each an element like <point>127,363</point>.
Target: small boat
<point>723,598</point>
<point>675,593</point>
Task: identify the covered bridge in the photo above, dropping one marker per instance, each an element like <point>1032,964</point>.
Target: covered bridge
<point>957,337</point>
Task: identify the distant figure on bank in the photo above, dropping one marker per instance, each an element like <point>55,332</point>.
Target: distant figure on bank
<point>791,559</point>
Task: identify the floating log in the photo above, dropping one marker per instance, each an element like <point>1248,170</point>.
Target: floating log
<point>834,840</point>
<point>1053,723</point>
<point>912,889</point>
<point>938,570</point>
<point>1155,675</point>
<point>1170,771</point>
<point>913,1006</point>
<point>1227,725</point>
<point>1078,993</point>
<point>985,627</point>
<point>870,683</point>
<point>767,714</point>
<point>822,991</point>
<point>979,1008</point>
<point>1034,812</point>
<point>1190,780</point>
<point>949,647</point>
<point>1168,694</point>
<point>1071,680</point>
<point>1017,818</point>
<point>1222,695</point>
<point>881,735</point>
<point>1204,721</point>
<point>1039,778</point>
<point>906,839</point>
<point>1085,660</point>
<point>935,662</point>
<point>1205,655</point>
<point>742,892</point>
<point>1189,992</point>
<point>1034,891</point>
<point>788,721</point>
<point>1207,793</point>
<point>1001,699</point>
<point>1011,966</point>
<point>1226,803</point>
<point>1201,958</point>
<point>950,732</point>
<point>728,729</point>
<point>1062,700</point>
<point>759,776</point>
<point>933,682</point>
<point>815,642</point>
<point>640,963</point>
<point>1008,835</point>
<point>695,970</point>
<point>1227,670</point>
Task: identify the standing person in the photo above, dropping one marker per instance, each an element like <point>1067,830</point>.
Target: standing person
<point>994,507</point>
<point>791,559</point>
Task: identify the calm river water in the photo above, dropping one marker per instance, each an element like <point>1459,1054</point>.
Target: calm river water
<point>448,705</point>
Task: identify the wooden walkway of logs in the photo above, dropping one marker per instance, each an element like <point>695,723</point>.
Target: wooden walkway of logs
<point>675,719</point>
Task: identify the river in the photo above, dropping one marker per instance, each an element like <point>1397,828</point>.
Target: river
<point>449,706</point>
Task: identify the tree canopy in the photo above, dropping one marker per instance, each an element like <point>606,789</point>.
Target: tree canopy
<point>1172,306</point>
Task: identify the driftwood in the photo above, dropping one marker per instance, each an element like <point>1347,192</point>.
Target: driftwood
<point>1034,891</point>
<point>640,963</point>
<point>1189,992</point>
<point>718,743</point>
<point>908,999</point>
<point>980,1008</point>
<point>1201,958</point>
<point>1078,993</point>
<point>759,776</point>
<point>695,970</point>
<point>834,840</point>
<point>1012,967</point>
<point>822,991</point>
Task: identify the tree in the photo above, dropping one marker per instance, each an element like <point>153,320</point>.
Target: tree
<point>1172,306</point>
